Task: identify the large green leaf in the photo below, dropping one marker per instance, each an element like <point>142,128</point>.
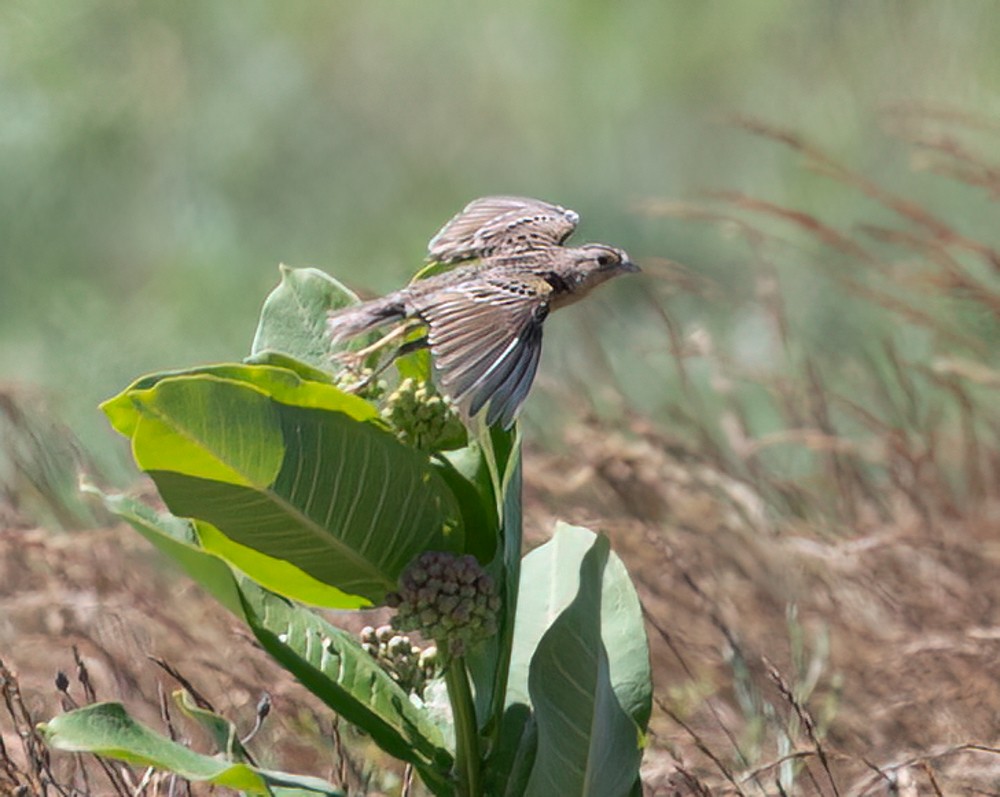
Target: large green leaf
<point>289,381</point>
<point>290,468</point>
<point>106,729</point>
<point>550,580</point>
<point>293,318</point>
<point>277,575</point>
<point>333,666</point>
<point>587,743</point>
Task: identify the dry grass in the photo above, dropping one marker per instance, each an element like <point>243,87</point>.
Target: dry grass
<point>820,590</point>
<point>883,538</point>
<point>886,661</point>
<point>101,608</point>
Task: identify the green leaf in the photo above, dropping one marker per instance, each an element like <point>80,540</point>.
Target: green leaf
<point>488,662</point>
<point>293,318</point>
<point>276,381</point>
<point>277,575</point>
<point>218,430</point>
<point>550,579</point>
<point>222,731</point>
<point>510,766</point>
<point>289,363</point>
<point>283,466</point>
<point>281,383</point>
<point>332,665</point>
<point>432,269</point>
<point>205,554</point>
<point>415,365</point>
<point>587,743</point>
<point>467,475</point>
<point>176,538</point>
<point>106,729</point>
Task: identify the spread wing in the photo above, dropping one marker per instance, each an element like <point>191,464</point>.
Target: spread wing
<point>486,339</point>
<point>507,224</point>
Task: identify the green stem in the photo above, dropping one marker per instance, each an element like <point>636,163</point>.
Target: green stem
<point>510,518</point>
<point>463,711</point>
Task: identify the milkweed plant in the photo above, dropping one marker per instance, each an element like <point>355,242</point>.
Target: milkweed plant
<point>289,490</point>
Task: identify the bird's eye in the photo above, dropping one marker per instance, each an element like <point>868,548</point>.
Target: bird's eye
<point>603,260</point>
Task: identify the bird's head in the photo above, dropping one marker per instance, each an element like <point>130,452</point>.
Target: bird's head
<point>593,264</point>
<point>603,259</point>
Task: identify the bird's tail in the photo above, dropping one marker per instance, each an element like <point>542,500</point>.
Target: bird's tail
<point>360,318</point>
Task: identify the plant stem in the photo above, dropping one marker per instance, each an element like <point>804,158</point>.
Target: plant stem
<point>463,711</point>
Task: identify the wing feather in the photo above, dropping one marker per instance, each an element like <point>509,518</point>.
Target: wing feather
<point>486,339</point>
<point>495,377</point>
<point>501,224</point>
<point>516,389</point>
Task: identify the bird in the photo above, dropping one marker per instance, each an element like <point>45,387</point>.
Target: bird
<point>506,270</point>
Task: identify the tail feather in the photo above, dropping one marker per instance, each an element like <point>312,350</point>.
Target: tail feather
<point>360,318</point>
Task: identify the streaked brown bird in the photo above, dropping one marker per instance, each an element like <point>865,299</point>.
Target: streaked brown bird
<point>484,316</point>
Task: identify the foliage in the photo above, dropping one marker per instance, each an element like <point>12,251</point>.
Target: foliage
<point>106,729</point>
<point>284,490</point>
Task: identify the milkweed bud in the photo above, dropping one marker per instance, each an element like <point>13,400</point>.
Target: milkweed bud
<point>360,381</point>
<point>406,664</point>
<point>422,417</point>
<point>447,598</point>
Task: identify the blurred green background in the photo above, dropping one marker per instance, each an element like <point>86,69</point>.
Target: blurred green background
<point>159,159</point>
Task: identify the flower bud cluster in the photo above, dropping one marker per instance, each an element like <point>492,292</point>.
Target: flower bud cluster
<point>361,381</point>
<point>407,665</point>
<point>422,417</point>
<point>447,598</point>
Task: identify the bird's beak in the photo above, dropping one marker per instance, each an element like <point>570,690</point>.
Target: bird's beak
<point>630,267</point>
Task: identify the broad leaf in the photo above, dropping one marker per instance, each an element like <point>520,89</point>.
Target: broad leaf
<point>106,729</point>
<point>550,580</point>
<point>281,382</point>
<point>293,318</point>
<point>587,743</point>
<point>277,575</point>
<point>287,467</point>
<point>415,365</point>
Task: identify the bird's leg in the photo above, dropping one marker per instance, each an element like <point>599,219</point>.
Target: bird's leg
<point>356,358</point>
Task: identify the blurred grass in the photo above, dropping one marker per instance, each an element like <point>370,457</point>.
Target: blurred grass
<point>160,158</point>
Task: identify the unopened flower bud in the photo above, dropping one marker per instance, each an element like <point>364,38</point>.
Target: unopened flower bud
<point>422,418</point>
<point>455,605</point>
